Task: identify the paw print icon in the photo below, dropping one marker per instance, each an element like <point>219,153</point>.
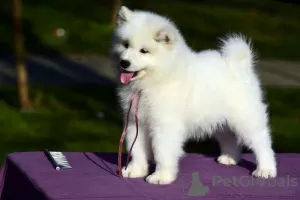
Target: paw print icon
<point>197,188</point>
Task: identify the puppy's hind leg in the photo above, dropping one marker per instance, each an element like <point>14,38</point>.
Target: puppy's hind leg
<point>254,132</point>
<point>230,150</point>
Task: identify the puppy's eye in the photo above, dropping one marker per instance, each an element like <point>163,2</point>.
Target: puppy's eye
<point>126,44</point>
<point>144,51</point>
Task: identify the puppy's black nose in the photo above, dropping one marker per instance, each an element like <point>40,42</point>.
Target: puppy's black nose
<point>125,64</point>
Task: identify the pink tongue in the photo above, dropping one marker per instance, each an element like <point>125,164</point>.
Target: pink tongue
<point>125,77</point>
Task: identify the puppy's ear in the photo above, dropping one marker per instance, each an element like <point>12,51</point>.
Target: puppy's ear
<point>124,15</point>
<point>165,36</point>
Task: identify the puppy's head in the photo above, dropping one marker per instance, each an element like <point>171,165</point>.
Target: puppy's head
<point>143,44</point>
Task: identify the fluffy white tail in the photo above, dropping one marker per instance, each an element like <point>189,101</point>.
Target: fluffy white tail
<point>237,52</point>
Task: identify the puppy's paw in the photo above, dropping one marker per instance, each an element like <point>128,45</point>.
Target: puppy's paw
<point>161,177</point>
<point>265,173</point>
<point>227,160</point>
<point>135,170</point>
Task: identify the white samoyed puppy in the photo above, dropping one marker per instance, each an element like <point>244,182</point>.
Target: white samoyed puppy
<point>185,94</point>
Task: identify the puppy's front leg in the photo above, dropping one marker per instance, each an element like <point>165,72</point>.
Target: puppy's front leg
<point>167,144</point>
<point>141,151</point>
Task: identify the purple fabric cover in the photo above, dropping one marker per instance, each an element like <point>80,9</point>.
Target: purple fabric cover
<point>94,176</point>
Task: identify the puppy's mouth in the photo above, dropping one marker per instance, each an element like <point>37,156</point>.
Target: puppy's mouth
<point>127,76</point>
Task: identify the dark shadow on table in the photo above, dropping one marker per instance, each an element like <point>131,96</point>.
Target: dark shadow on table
<point>208,148</point>
<point>110,158</point>
<point>16,185</point>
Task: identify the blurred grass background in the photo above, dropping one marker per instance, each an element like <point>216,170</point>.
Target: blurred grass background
<point>272,25</point>
<point>65,118</point>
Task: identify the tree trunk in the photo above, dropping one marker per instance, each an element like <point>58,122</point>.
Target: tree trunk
<point>22,77</point>
<point>116,7</point>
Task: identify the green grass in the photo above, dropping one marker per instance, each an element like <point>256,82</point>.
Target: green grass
<point>66,119</point>
<point>273,26</point>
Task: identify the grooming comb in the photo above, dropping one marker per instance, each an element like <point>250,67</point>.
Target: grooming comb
<point>57,159</point>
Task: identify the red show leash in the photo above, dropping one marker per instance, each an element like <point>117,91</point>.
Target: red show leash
<point>134,96</point>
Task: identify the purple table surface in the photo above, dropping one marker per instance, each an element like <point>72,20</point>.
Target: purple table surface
<point>30,175</point>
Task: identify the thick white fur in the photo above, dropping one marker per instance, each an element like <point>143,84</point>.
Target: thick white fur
<point>187,94</point>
